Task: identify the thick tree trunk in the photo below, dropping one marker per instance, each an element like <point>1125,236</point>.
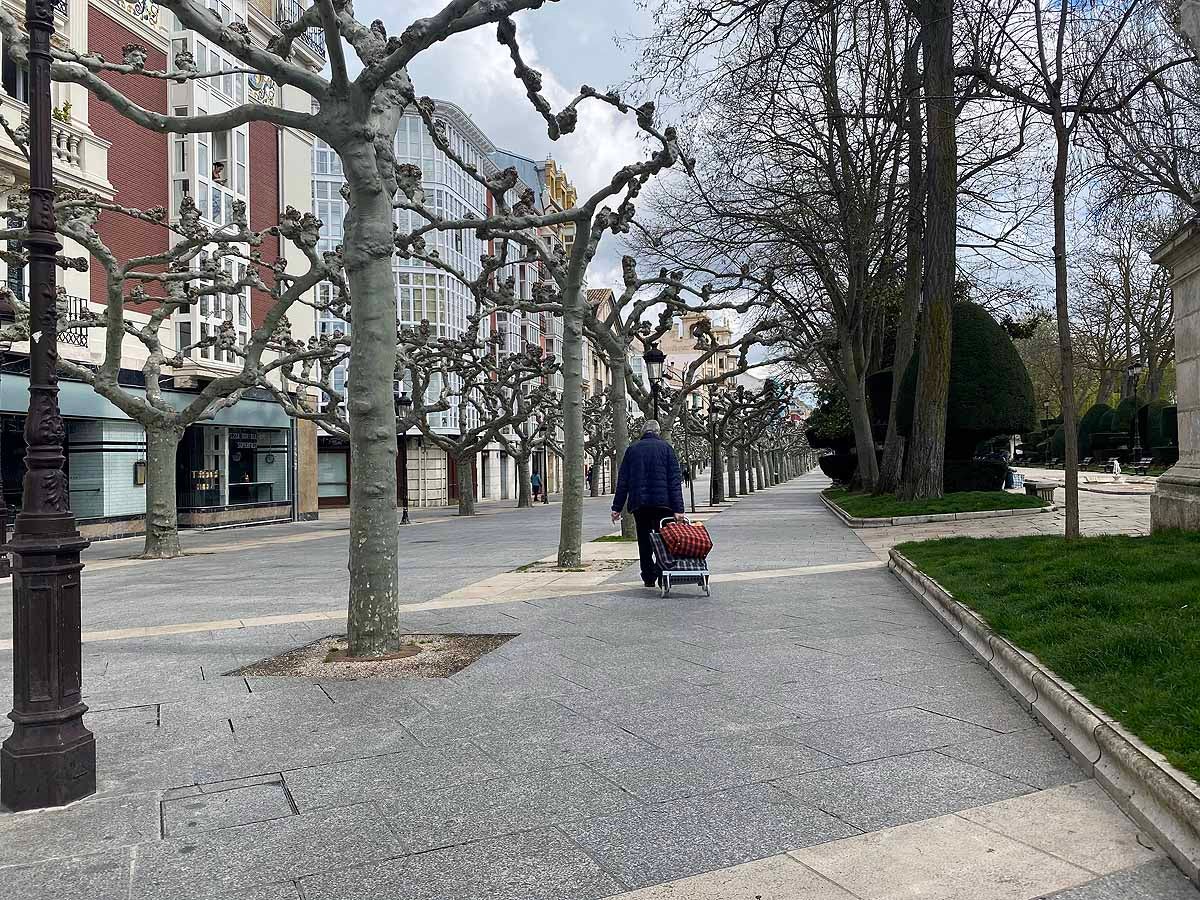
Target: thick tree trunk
<point>860,421</point>
<point>465,478</point>
<point>162,510</point>
<point>731,466</point>
<point>1066,350</point>
<point>594,487</point>
<point>743,471</point>
<point>373,618</point>
<point>524,491</point>
<point>570,536</point>
<point>761,466</point>
<point>926,450</point>
<point>618,408</point>
<point>891,470</point>
<point>716,480</point>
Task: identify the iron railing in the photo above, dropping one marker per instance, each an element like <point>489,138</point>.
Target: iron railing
<point>287,12</point>
<point>75,309</point>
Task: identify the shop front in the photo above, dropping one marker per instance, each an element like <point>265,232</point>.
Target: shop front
<point>233,474</point>
<point>235,469</point>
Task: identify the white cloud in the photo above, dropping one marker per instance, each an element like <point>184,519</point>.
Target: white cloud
<point>569,48</point>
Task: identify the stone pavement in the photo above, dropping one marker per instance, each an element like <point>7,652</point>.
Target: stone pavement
<point>1111,509</point>
<point>808,733</point>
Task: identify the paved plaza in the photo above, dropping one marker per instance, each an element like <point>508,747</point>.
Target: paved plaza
<point>810,732</point>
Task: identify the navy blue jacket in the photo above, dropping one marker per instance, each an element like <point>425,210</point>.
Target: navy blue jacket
<point>649,476</point>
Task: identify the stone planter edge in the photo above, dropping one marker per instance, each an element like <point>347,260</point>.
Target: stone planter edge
<point>1160,798</point>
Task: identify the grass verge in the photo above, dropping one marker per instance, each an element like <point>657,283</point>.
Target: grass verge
<point>1118,617</point>
<point>887,506</point>
<point>612,539</point>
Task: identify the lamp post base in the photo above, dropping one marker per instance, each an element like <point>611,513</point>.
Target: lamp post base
<point>50,757</point>
<point>45,764</point>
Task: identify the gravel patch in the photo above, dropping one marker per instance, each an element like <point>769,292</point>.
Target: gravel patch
<point>439,656</point>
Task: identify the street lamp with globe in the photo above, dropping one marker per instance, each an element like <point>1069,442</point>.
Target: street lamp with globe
<point>655,359</point>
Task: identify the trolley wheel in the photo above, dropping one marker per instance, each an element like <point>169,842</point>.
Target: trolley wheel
<point>665,587</point>
<point>707,593</point>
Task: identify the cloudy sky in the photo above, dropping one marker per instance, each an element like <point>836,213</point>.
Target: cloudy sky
<point>571,42</point>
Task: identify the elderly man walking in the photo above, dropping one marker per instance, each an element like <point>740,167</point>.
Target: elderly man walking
<point>650,482</point>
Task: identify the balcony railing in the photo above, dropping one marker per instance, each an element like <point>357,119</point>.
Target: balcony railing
<point>287,12</point>
<point>62,7</point>
<point>75,309</point>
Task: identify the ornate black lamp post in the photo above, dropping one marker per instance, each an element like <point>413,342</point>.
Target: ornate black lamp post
<point>654,359</point>
<point>50,757</point>
<point>5,565</point>
<point>1134,372</point>
<point>403,405</point>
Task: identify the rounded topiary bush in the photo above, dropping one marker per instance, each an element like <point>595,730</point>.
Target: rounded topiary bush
<point>840,467</point>
<point>990,389</point>
<point>828,426</point>
<point>973,475</point>
<point>1097,419</point>
<point>1124,415</point>
<point>1058,443</point>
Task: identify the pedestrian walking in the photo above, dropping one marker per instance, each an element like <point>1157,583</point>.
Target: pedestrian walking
<point>535,482</point>
<point>650,484</point>
<point>591,474</point>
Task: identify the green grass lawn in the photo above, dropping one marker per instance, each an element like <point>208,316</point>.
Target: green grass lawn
<point>886,506</point>
<point>1116,616</point>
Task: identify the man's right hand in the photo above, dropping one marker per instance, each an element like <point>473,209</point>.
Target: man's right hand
<point>616,516</point>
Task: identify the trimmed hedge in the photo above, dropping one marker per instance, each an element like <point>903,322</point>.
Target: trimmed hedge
<point>1097,419</point>
<point>974,475</point>
<point>838,466</point>
<point>829,425</point>
<point>990,389</point>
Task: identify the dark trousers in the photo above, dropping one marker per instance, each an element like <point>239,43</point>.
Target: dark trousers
<point>647,518</point>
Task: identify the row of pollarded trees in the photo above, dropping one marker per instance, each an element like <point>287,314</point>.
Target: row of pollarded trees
<point>872,149</point>
<point>356,108</point>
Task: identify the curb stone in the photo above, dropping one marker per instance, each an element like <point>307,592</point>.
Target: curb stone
<point>853,522</point>
<point>1157,796</point>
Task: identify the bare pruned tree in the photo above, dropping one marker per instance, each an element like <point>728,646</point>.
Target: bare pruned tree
<point>472,382</point>
<point>213,267</point>
<point>517,222</point>
<point>356,108</point>
<point>1069,63</point>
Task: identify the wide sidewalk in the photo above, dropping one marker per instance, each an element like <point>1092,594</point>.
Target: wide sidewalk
<point>808,733</point>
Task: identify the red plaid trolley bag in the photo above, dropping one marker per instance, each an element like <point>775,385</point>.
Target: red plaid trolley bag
<point>680,568</point>
<point>683,539</point>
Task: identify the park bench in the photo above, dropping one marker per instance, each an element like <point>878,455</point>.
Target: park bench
<point>1042,489</point>
<point>1086,462</point>
<point>1142,466</point>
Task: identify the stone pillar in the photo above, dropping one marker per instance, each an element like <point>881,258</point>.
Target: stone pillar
<point>1175,502</point>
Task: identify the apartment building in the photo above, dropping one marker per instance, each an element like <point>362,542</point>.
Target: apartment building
<point>424,293</point>
<point>250,462</point>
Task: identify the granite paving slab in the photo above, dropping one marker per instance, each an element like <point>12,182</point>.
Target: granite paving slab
<point>533,865</point>
<point>886,792</point>
<point>888,733</point>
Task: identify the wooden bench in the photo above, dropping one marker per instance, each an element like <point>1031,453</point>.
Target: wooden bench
<point>1142,466</point>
